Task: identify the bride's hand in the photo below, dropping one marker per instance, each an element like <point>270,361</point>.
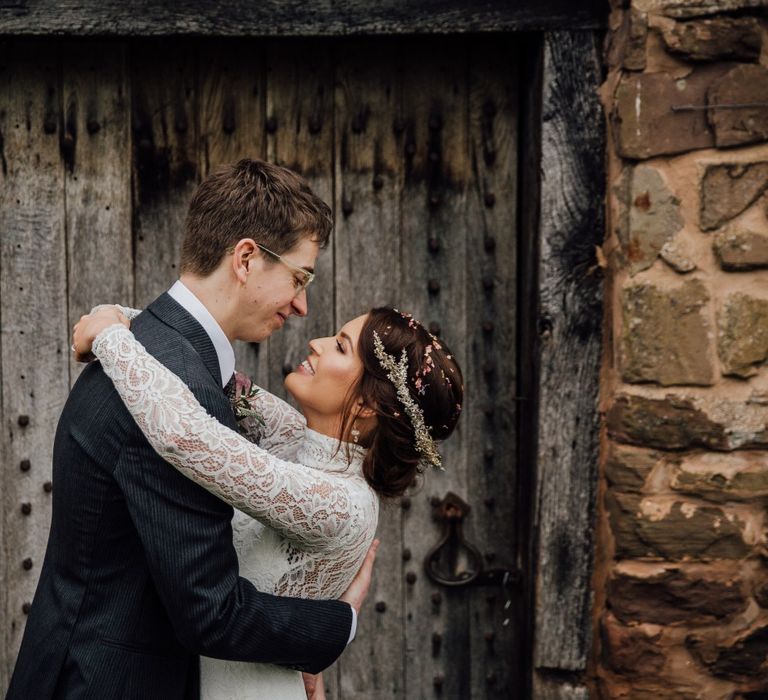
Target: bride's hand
<point>313,686</point>
<point>358,589</point>
<point>89,326</point>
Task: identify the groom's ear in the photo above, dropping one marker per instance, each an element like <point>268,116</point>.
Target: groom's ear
<point>244,250</point>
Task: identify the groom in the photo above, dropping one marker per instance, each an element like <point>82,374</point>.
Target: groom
<point>140,575</point>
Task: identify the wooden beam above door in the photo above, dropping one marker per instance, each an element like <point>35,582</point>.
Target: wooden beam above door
<point>293,17</point>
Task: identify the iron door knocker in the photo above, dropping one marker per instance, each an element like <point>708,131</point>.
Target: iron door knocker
<point>454,561</point>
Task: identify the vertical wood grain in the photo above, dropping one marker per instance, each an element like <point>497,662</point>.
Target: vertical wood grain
<point>165,168</point>
<point>96,103</point>
<point>300,105</point>
<point>231,80</point>
<point>368,273</point>
<point>570,345</point>
<point>490,418</point>
<point>434,201</point>
<point>33,311</point>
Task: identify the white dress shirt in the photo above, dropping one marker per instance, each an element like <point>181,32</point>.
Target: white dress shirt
<point>224,351</point>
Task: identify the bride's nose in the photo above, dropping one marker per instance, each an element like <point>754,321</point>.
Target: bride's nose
<point>314,346</point>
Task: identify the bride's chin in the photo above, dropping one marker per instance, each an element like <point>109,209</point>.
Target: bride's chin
<point>290,386</point>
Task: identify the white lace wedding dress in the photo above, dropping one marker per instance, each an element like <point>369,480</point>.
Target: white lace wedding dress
<point>305,515</point>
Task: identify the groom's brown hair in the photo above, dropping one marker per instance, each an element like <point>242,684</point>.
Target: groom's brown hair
<point>251,199</point>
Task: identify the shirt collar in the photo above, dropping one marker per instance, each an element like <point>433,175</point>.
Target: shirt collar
<point>221,344</point>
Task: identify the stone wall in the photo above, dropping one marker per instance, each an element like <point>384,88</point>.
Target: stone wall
<point>682,573</point>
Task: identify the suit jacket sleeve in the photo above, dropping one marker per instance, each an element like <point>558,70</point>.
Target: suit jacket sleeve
<point>187,538</point>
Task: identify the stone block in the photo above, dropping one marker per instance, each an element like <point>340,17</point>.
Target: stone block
<point>737,126</point>
<point>644,123</point>
<point>715,39</point>
<point>721,477</point>
<point>739,657</point>
<point>681,531</point>
<point>627,468</point>
<point>630,651</point>
<point>666,335</point>
<point>626,48</point>
<point>636,38</point>
<point>626,44</point>
<point>677,257</point>
<point>741,250</point>
<point>761,593</point>
<point>728,189</point>
<point>657,688</point>
<point>671,423</point>
<point>693,595</point>
<point>684,9</point>
<point>684,422</point>
<point>653,217</point>
<point>623,511</point>
<point>743,334</point>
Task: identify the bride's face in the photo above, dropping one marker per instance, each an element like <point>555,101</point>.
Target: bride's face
<point>321,382</point>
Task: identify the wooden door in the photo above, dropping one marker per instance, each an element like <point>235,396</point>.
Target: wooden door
<point>414,142</point>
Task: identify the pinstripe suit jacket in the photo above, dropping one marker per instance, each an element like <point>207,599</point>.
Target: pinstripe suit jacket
<point>140,575</point>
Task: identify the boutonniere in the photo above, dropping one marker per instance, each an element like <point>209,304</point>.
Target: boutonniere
<point>245,392</point>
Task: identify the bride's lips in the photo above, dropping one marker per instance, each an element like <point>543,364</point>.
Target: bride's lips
<point>305,368</point>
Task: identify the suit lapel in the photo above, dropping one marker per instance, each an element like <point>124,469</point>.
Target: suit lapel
<point>170,312</point>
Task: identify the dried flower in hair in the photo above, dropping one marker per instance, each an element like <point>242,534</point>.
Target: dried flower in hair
<point>397,373</point>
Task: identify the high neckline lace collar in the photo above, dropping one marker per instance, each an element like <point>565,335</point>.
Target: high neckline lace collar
<point>323,452</point>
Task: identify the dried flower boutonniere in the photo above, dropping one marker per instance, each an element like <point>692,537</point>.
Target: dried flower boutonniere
<point>245,392</point>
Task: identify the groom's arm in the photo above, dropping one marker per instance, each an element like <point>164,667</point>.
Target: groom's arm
<point>187,538</point>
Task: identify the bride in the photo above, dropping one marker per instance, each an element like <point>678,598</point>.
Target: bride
<point>374,400</point>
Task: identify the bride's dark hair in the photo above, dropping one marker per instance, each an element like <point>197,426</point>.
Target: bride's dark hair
<point>434,382</point>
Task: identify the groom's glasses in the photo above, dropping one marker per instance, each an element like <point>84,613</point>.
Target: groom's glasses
<point>301,278</point>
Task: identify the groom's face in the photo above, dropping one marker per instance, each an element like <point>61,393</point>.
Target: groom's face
<point>270,294</point>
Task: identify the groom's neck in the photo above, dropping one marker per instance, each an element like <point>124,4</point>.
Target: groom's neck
<point>216,295</point>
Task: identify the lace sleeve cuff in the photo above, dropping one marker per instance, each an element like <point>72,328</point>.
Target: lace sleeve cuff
<point>127,311</point>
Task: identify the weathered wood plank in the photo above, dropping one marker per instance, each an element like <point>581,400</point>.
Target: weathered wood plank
<point>367,274</point>
<point>293,17</point>
<point>300,104</point>
<point>165,160</point>
<point>557,689</point>
<point>490,418</point>
<point>570,344</point>
<point>33,309</point>
<point>434,289</point>
<point>231,101</point>
<point>97,178</point>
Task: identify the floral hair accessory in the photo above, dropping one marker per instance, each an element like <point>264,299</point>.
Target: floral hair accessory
<point>397,372</point>
<point>413,323</point>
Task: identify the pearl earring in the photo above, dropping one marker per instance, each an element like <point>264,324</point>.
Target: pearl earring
<point>355,433</point>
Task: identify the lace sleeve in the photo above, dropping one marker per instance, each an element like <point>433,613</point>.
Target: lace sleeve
<point>279,427</point>
<point>307,506</point>
<point>127,311</point>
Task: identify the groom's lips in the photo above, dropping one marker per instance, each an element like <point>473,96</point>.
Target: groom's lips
<point>282,318</point>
